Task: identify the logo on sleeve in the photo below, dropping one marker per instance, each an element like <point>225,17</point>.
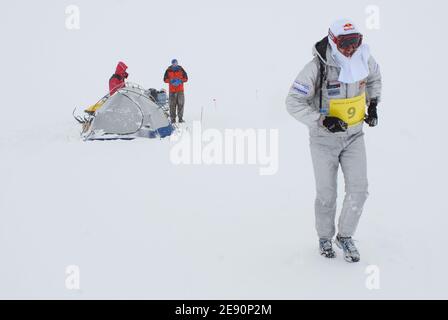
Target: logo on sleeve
<point>301,88</point>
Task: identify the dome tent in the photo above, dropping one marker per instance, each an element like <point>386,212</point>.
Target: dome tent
<point>129,113</point>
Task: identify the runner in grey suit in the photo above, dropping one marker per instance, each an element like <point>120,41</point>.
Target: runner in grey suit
<point>329,150</point>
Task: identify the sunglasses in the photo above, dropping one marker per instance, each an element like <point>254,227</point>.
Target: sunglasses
<point>348,40</point>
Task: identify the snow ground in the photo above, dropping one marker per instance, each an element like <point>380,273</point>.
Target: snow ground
<point>140,227</point>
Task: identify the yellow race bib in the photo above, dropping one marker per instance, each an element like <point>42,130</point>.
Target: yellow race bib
<point>351,110</point>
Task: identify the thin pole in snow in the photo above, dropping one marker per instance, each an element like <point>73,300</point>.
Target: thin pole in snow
<point>202,112</point>
<point>214,101</point>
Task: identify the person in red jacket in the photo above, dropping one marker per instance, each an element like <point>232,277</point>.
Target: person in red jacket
<point>116,82</point>
<point>175,75</point>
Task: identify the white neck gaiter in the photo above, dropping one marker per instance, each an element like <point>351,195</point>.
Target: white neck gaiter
<point>356,67</point>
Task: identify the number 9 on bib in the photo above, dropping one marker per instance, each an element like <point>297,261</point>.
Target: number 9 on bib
<point>351,110</point>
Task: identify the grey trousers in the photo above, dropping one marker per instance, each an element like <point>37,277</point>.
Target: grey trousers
<point>177,101</point>
<point>328,151</point>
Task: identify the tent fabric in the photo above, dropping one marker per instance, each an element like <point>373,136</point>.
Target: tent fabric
<point>129,113</point>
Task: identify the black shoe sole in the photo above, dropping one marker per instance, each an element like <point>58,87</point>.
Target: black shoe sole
<point>328,255</point>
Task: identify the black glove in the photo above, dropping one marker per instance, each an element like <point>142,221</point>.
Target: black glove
<point>372,116</point>
<point>334,124</point>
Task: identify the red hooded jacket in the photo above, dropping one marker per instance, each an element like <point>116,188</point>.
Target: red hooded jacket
<point>116,82</point>
<point>175,73</point>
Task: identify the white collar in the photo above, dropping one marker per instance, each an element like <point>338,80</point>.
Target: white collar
<point>355,68</point>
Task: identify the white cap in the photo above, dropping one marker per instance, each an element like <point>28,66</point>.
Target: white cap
<point>343,27</point>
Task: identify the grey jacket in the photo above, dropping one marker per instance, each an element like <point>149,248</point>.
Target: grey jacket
<point>303,99</point>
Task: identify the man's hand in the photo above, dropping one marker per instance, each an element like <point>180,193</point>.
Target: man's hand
<point>176,82</point>
<point>372,116</point>
<point>334,124</point>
